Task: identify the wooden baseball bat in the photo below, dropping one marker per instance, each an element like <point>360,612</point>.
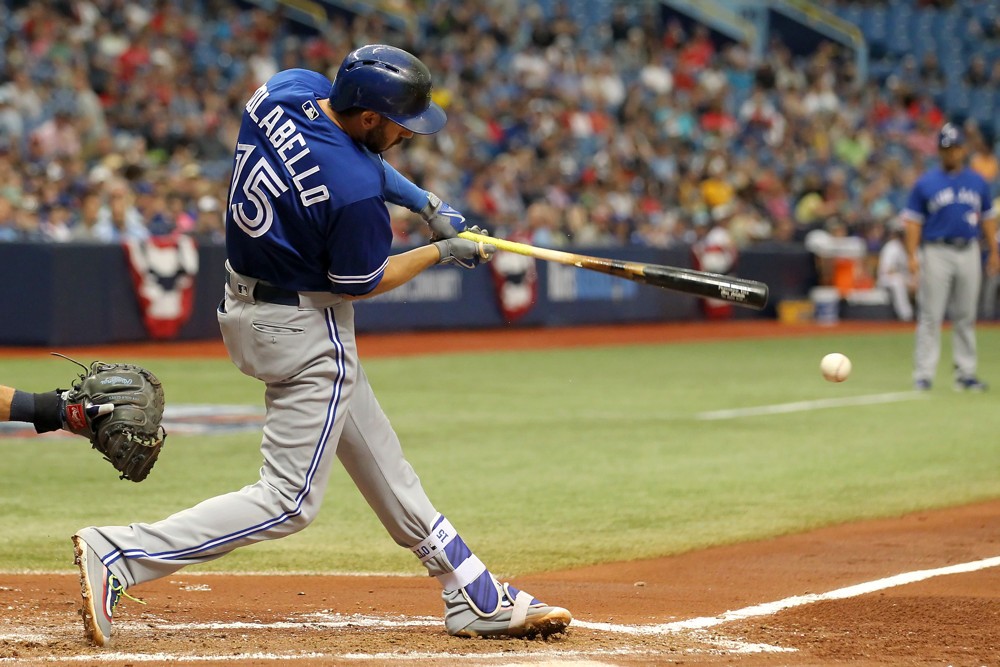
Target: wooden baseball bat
<point>740,291</point>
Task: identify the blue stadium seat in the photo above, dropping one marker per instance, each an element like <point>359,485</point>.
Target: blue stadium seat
<point>852,14</point>
<point>898,44</point>
<point>957,99</point>
<point>898,16</point>
<point>875,24</point>
<point>981,105</point>
<point>983,10</point>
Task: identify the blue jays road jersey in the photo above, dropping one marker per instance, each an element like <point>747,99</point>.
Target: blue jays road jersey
<point>306,203</point>
<point>949,205</point>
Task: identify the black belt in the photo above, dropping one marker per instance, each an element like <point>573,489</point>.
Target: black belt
<point>271,294</point>
<point>953,241</point>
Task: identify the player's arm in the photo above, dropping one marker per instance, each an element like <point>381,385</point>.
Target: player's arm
<point>6,395</point>
<point>988,226</point>
<point>911,240</point>
<point>42,410</point>
<point>993,252</point>
<point>912,216</point>
<point>444,221</point>
<point>359,245</point>
<point>405,266</point>
<point>400,269</point>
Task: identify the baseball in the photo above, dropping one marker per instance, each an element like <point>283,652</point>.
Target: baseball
<point>835,367</point>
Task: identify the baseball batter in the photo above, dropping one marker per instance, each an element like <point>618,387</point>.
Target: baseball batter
<point>307,233</point>
<point>948,209</point>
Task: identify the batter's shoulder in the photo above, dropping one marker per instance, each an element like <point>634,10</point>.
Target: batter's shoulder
<point>298,82</point>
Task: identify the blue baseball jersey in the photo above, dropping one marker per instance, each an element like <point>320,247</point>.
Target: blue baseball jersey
<point>306,207</point>
<point>949,205</point>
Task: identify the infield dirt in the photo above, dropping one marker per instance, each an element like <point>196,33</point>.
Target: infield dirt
<point>350,620</point>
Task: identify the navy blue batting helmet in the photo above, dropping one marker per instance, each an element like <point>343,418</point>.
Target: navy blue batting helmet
<point>390,82</point>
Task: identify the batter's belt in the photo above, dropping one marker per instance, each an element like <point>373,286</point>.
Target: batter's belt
<point>252,290</point>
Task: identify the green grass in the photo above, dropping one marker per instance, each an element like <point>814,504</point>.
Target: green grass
<point>552,459</point>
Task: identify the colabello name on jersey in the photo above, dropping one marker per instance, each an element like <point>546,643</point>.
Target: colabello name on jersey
<point>286,138</point>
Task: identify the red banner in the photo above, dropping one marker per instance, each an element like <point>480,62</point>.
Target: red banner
<point>515,282</point>
<point>163,270</point>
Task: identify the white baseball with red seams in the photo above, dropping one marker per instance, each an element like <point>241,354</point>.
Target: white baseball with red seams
<point>836,367</point>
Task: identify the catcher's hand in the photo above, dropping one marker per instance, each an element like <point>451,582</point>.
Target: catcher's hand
<point>118,407</point>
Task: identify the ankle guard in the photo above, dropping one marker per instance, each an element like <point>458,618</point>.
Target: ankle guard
<point>447,557</point>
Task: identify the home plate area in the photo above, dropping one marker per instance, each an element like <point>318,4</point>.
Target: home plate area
<point>918,589</point>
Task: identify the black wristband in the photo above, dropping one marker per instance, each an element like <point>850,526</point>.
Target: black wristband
<point>48,412</point>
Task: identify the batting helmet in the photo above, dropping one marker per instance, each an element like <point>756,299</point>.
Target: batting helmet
<point>390,82</point>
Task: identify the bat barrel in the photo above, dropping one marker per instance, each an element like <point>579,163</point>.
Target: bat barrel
<point>739,291</point>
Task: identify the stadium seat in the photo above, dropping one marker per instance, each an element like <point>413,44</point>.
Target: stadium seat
<point>957,99</point>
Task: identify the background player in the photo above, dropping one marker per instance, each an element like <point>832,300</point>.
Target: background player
<point>947,210</point>
<point>893,271</point>
<point>307,232</point>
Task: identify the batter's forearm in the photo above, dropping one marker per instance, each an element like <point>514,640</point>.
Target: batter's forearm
<point>401,191</point>
<point>403,268</point>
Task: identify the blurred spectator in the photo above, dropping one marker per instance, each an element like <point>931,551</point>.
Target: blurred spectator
<point>977,73</point>
<point>85,226</point>
<point>982,158</point>
<point>716,190</point>
<point>11,122</point>
<point>930,70</point>
<point>614,125</point>
<point>118,219</point>
<point>761,120</point>
<point>8,221</point>
<point>57,137</point>
<point>839,257</point>
<point>543,226</point>
<point>894,273</point>
<point>209,224</point>
<point>991,283</point>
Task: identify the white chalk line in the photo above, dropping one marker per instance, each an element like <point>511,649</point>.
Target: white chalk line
<point>230,573</point>
<point>771,608</point>
<point>168,657</point>
<point>696,626</point>
<point>805,406</point>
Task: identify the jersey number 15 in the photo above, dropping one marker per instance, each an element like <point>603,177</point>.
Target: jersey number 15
<point>256,187</point>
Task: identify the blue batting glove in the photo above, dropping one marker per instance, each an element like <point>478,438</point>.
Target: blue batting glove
<point>444,221</point>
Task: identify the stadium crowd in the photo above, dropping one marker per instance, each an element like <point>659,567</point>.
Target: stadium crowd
<point>117,119</point>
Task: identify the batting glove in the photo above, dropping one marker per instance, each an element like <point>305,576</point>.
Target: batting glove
<point>465,253</point>
<point>444,221</point>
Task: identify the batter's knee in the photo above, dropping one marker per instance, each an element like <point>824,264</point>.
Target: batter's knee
<point>292,512</point>
<point>299,520</point>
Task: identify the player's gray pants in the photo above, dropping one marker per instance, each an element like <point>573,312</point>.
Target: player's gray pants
<point>949,283</point>
<point>319,404</point>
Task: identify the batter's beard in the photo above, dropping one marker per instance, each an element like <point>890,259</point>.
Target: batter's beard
<point>375,139</point>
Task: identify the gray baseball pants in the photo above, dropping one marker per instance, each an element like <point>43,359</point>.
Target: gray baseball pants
<point>318,405</point>
<point>949,285</point>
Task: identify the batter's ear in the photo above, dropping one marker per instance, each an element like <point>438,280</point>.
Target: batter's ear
<point>370,119</point>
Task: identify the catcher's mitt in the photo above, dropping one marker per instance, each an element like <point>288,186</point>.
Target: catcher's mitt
<point>119,407</point>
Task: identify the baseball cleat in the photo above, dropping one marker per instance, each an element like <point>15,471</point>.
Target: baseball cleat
<point>970,384</point>
<point>922,385</point>
<point>517,614</point>
<point>101,592</point>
